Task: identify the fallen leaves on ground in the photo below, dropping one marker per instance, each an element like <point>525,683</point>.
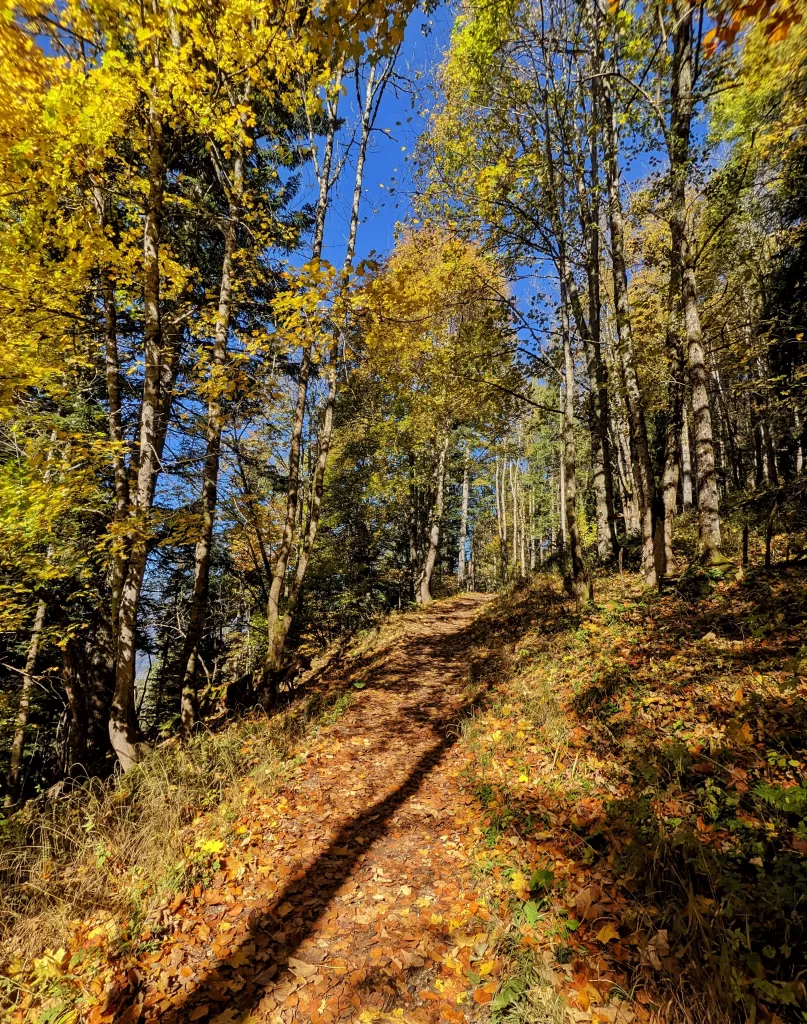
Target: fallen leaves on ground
<point>626,790</point>
<point>642,774</point>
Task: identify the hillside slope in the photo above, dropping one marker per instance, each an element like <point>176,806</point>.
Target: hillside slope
<point>521,814</point>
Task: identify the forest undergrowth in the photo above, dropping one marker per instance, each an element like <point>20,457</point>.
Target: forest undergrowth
<point>625,786</point>
<point>642,774</point>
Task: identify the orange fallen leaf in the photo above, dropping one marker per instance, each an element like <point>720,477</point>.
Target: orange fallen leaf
<point>484,993</point>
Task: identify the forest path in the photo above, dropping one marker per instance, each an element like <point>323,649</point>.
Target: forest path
<point>351,896</point>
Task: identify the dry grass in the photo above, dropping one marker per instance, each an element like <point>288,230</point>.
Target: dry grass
<point>121,845</point>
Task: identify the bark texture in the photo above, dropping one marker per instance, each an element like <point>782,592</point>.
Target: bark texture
<point>423,587</point>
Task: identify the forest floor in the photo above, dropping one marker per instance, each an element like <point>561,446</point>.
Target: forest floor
<point>522,815</point>
<point>359,875</point>
<point>346,891</point>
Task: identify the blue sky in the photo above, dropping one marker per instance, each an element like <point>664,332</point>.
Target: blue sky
<point>387,178</point>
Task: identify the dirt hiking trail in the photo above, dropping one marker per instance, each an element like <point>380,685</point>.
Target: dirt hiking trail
<point>350,897</point>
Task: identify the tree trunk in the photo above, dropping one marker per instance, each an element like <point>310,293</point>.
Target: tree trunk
<point>769,541</point>
<point>523,546</point>
<point>679,157</point>
<point>531,514</point>
<point>514,497</point>
<point>686,460</point>
<point>210,473</point>
<point>284,625</point>
<point>772,471</point>
<point>644,479</point>
<point>414,532</point>
<point>274,625</point>
<point>501,513</point>
<point>580,585</point>
<point>424,593</point>
<point>603,483</point>
<point>114,417</point>
<point>18,742</point>
<point>704,445</point>
<point>463,520</point>
<point>279,630</point>
<point>733,448</point>
<point>619,435</point>
<point>74,755</point>
<point>675,388</point>
<point>563,530</point>
<point>124,730</point>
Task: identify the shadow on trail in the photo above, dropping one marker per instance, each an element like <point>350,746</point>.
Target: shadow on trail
<point>425,675</point>
<point>359,835</point>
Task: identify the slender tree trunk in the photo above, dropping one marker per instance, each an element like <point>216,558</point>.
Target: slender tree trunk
<point>514,498</point>
<point>279,628</point>
<point>501,513</point>
<point>686,460</point>
<point>670,489</point>
<point>607,544</point>
<point>424,593</point>
<point>675,388</point>
<point>466,469</point>
<point>120,475</point>
<point>761,476</point>
<point>619,435</point>
<point>18,742</point>
<point>523,546</point>
<point>114,418</point>
<point>274,626</point>
<point>769,540</point>
<point>732,448</point>
<point>283,627</point>
<point>603,483</point>
<point>679,156</point>
<point>532,529</point>
<point>644,479</point>
<point>74,755</point>
<point>704,443</point>
<point>292,497</point>
<point>414,559</point>
<point>124,730</point>
<point>210,472</point>
<point>498,502</point>
<point>580,586</point>
<point>772,470</point>
<point>563,532</point>
<point>633,523</point>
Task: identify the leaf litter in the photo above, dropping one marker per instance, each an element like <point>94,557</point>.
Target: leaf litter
<point>523,815</point>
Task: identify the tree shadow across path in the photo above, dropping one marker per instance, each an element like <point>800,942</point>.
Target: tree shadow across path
<point>359,865</point>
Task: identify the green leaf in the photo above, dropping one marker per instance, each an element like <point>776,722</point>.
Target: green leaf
<point>510,993</point>
<point>542,879</point>
<point>531,912</point>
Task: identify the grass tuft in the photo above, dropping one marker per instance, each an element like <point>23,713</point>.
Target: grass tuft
<point>123,845</point>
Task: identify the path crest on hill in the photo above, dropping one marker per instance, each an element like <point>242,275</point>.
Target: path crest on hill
<point>358,901</point>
